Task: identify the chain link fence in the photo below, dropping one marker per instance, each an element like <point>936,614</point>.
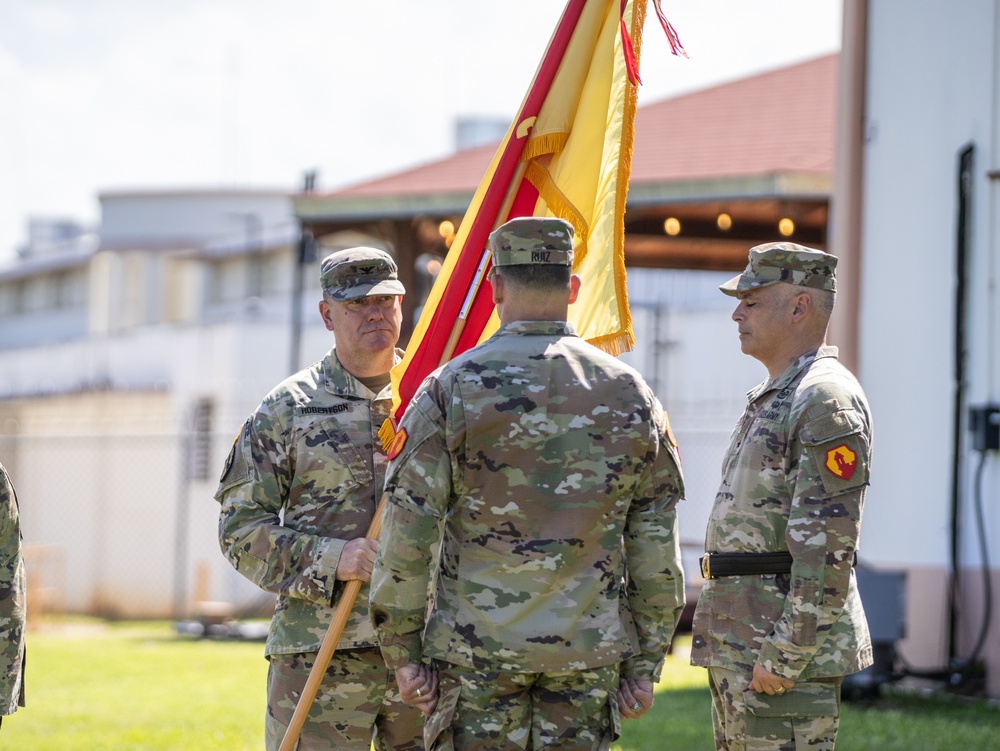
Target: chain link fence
<point>119,526</point>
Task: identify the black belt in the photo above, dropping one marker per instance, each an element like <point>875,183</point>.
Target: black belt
<point>714,565</point>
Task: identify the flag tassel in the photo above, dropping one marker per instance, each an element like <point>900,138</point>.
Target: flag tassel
<point>675,41</point>
<point>631,61</point>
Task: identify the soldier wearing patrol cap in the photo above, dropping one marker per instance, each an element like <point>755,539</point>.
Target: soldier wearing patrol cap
<point>545,470</point>
<point>298,493</point>
<point>779,621</point>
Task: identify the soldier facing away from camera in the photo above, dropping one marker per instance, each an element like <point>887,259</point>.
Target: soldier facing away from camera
<point>546,471</point>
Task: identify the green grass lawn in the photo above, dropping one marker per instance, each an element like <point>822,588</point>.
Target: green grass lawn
<point>681,718</point>
<point>139,687</point>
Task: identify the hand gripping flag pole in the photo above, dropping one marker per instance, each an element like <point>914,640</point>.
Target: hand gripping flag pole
<point>328,647</point>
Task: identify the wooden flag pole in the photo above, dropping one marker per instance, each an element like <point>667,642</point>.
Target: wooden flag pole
<point>329,646</point>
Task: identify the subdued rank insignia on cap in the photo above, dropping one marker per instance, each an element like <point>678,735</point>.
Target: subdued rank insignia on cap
<point>842,462</point>
<point>360,272</point>
<point>398,441</point>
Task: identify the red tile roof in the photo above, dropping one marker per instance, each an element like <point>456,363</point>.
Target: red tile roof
<point>776,122</point>
<point>781,121</point>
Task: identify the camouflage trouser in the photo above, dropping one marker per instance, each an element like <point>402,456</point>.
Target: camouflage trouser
<point>494,711</point>
<point>358,697</point>
<point>805,717</point>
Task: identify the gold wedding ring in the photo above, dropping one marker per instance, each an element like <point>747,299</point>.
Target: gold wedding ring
<point>418,693</point>
<point>781,690</point>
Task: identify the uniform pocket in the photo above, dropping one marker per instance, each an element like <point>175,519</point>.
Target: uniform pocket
<point>802,717</point>
<point>614,716</point>
<point>437,728</point>
<point>348,470</point>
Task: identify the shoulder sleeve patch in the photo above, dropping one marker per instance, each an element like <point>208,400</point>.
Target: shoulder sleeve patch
<point>839,447</point>
<point>237,469</point>
<point>667,431</point>
<point>398,442</point>
<point>416,425</point>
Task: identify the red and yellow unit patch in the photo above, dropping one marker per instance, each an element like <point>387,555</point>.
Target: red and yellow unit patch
<point>841,461</point>
<point>398,441</point>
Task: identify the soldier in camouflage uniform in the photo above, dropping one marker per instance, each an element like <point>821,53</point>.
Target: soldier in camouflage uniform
<point>12,595</point>
<point>298,494</point>
<point>546,471</point>
<point>779,621</point>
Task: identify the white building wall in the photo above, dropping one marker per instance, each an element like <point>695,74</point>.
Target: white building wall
<point>688,350</point>
<point>156,218</point>
<point>933,86</point>
<point>101,470</point>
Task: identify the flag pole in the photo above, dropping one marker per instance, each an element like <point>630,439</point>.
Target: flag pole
<point>329,646</point>
<point>440,321</point>
<point>477,281</point>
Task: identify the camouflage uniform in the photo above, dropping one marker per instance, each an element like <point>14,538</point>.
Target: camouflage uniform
<point>540,465</point>
<point>794,478</point>
<point>304,476</point>
<point>12,601</point>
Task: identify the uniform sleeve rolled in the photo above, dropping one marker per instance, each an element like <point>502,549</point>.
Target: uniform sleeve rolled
<point>252,491</point>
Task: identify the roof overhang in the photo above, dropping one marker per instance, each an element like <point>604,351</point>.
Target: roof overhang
<point>350,209</point>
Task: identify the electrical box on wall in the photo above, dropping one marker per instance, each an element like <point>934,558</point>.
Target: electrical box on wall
<point>984,422</point>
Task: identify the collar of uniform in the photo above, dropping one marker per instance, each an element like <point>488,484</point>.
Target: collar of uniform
<point>340,382</point>
<point>792,371</point>
<point>537,328</point>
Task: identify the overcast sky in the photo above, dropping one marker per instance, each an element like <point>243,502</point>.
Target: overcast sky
<point>108,95</point>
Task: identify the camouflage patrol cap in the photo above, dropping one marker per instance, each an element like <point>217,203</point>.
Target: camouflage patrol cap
<point>533,240</point>
<point>359,272</point>
<point>785,262</point>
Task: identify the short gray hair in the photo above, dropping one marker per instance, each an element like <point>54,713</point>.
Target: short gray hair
<point>535,276</point>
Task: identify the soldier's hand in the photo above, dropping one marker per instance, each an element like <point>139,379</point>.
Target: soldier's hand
<point>635,697</point>
<point>766,682</point>
<point>418,687</point>
<point>357,559</point>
